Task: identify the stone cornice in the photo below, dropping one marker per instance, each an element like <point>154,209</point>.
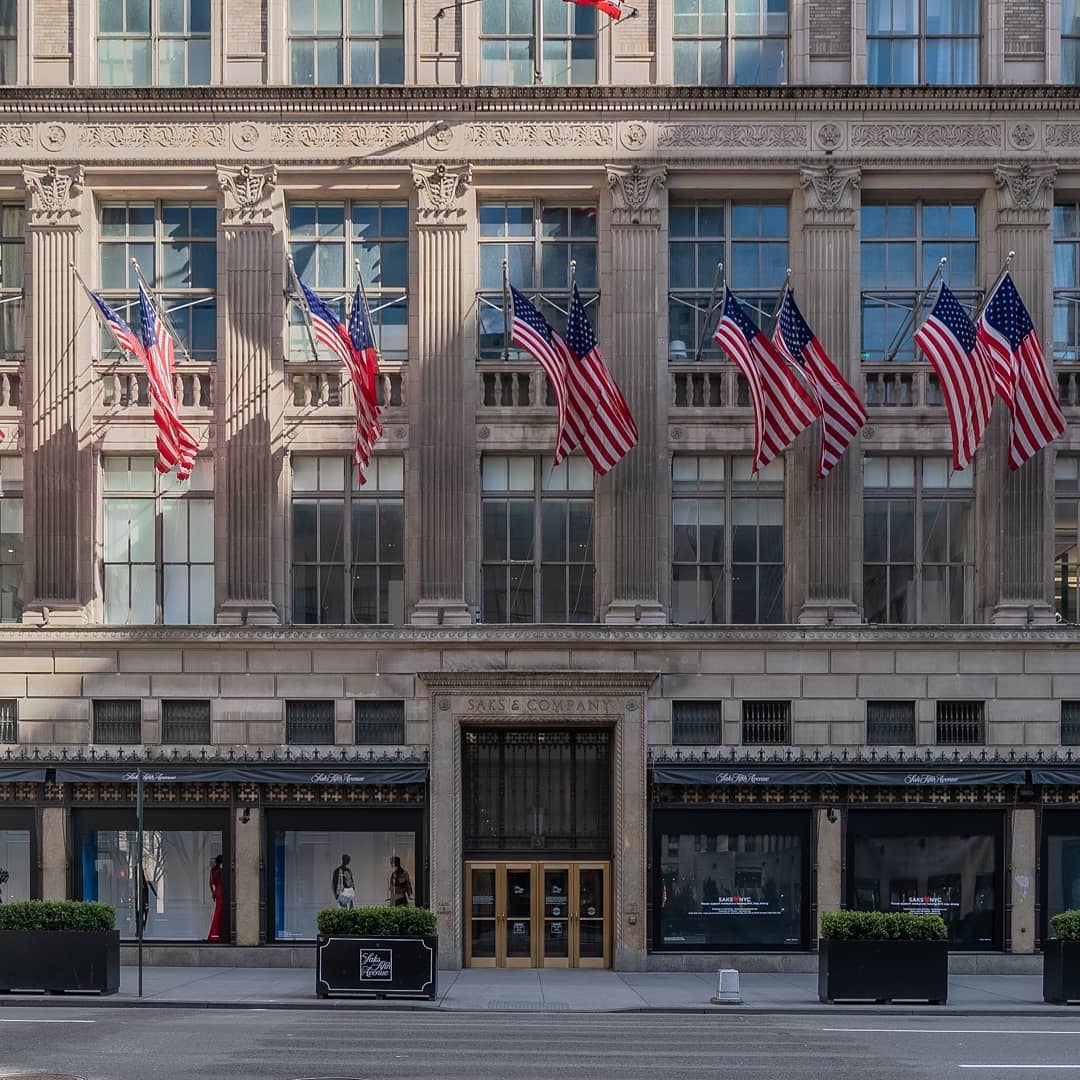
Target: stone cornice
<point>115,637</point>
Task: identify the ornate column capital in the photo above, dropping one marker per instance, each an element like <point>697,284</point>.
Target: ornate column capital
<point>829,193</point>
<point>53,193</point>
<point>441,191</point>
<point>636,192</point>
<point>1025,193</point>
<point>248,192</point>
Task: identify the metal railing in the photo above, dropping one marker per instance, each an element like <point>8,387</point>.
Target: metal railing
<point>696,723</point>
<point>379,722</point>
<point>961,723</point>
<point>309,723</point>
<point>890,723</point>
<point>117,723</point>
<point>185,722</point>
<point>766,723</point>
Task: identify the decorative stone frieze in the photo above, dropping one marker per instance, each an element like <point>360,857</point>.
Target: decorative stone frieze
<point>441,190</point>
<point>758,136</point>
<point>247,193</point>
<point>928,136</point>
<point>53,191</point>
<point>636,192</point>
<point>179,136</point>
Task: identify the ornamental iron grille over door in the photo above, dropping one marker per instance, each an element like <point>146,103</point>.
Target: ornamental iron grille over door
<point>530,791</point>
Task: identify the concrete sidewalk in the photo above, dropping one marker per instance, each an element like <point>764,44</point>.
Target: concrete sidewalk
<point>541,991</point>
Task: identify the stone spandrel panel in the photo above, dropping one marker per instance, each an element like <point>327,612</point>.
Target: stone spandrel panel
<point>245,27</point>
<point>830,29</point>
<point>52,27</point>
<point>1025,29</point>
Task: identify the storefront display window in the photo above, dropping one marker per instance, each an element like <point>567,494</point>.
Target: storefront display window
<point>730,880</point>
<point>317,868</point>
<point>930,863</point>
<point>1061,865</point>
<point>14,865</point>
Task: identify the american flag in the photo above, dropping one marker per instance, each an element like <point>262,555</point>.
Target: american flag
<point>608,7</point>
<point>782,405</point>
<point>359,357</point>
<point>597,416</point>
<point>1010,343</point>
<point>176,445</point>
<point>948,339</point>
<point>530,331</point>
<point>842,413</point>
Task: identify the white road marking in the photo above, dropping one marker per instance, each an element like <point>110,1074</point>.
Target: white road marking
<point>955,1031</point>
<point>1018,1066</point>
<point>5,1020</point>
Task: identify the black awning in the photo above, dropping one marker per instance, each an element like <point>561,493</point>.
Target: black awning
<point>152,773</point>
<point>903,776</point>
<point>1056,775</point>
<point>18,774</point>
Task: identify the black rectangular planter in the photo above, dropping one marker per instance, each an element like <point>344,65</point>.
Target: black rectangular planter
<point>386,967</point>
<point>1061,972</point>
<point>883,971</point>
<point>60,961</point>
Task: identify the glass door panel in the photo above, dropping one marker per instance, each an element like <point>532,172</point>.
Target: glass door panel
<point>556,905</point>
<point>483,911</point>
<point>591,902</point>
<point>518,935</point>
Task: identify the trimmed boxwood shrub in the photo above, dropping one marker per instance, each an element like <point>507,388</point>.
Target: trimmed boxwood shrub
<point>1066,926</point>
<point>881,926</point>
<point>69,915</point>
<point>377,922</point>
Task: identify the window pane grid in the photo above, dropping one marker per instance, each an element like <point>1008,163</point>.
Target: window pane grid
<point>1070,724</point>
<point>176,247</point>
<point>353,42</point>
<point>890,723</point>
<point>185,723</point>
<point>309,723</point>
<point>153,42</point>
<point>11,539</point>
<point>117,722</point>
<point>12,256</point>
<point>960,723</point>
<point>508,42</point>
<point>695,723</point>
<point>1067,537</point>
<point>379,723</point>
<point>715,42</point>
<point>766,723</point>
<point>923,41</point>
<point>750,239</point>
<point>325,241</point>
<point>9,721</point>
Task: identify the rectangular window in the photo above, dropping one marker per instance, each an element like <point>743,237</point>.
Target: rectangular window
<point>15,848</point>
<point>326,240</point>
<point>185,722</point>
<point>537,540</point>
<point>351,42</point>
<point>918,541</point>
<point>696,723</point>
<point>153,42</point>
<point>1067,282</point>
<point>1067,537</point>
<point>12,255</point>
<point>766,723</point>
<point>538,243</point>
<point>901,245</point>
<point>750,239</point>
<point>934,862</point>
<point>348,541</point>
<point>117,723</point>
<point>1070,42</point>
<point>176,248</point>
<point>379,722</point>
<point>890,723</point>
<point>727,540</point>
<point>731,879</point>
<point>961,723</point>
<point>158,547</point>
<point>9,721</point>
<point>932,42</point>
<point>1070,723</point>
<point>309,723</point>
<point>509,43</point>
<point>1060,866</point>
<point>744,42</point>
<point>9,68</point>
<point>11,538</point>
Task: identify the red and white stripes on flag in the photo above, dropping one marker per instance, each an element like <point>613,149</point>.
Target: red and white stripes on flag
<point>1010,344</point>
<point>842,413</point>
<point>608,7</point>
<point>783,407</point>
<point>948,339</point>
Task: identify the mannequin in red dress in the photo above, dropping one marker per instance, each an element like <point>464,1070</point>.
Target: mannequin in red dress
<point>217,894</point>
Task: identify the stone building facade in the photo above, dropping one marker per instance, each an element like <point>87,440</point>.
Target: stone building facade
<point>699,707</point>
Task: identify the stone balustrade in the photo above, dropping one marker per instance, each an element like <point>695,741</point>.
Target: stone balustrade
<point>327,386</point>
<point>510,386</point>
<point>11,375</point>
<point>125,386</point>
<point>901,386</point>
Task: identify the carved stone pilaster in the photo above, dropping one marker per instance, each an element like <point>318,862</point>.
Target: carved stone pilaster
<point>437,401</point>
<point>248,413</point>
<point>829,507</point>
<point>634,493</point>
<point>59,526</point>
<point>1019,504</point>
<point>636,191</point>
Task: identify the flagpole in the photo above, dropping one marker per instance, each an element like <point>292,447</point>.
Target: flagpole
<point>538,40</point>
<point>302,301</point>
<point>506,310</point>
<point>910,320</point>
<point>780,296</point>
<point>160,310</point>
<point>1005,266</point>
<point>573,282</point>
<point>717,277</point>
<point>367,312</point>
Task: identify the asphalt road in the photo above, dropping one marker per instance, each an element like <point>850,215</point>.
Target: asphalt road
<point>170,1044</point>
